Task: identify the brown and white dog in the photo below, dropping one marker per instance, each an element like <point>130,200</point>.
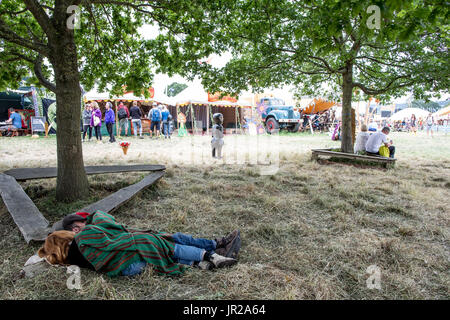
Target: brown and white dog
<point>56,247</point>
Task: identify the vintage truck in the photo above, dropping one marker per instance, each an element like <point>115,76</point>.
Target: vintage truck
<point>276,115</point>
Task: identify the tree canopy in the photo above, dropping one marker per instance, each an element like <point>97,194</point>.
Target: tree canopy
<point>331,48</point>
<point>68,43</point>
<point>111,50</point>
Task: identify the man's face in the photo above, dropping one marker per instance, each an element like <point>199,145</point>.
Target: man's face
<point>78,226</point>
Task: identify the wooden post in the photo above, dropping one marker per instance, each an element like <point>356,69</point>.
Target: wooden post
<point>353,125</point>
<point>235,120</point>
<point>117,121</point>
<point>192,117</point>
<point>178,126</point>
<point>207,118</point>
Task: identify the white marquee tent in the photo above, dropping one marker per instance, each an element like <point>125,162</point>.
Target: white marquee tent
<point>407,112</point>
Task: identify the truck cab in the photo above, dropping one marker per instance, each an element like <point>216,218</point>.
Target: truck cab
<point>276,115</point>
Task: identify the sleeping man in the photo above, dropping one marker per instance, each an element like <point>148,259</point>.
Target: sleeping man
<point>99,243</point>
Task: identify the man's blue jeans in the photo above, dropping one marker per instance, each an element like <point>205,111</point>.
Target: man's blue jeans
<point>166,128</point>
<point>187,250</point>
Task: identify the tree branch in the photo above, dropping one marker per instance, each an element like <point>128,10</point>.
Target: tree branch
<point>38,72</point>
<point>374,92</point>
<point>40,15</point>
<point>9,35</point>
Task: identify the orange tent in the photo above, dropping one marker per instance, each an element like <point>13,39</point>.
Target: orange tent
<point>318,105</point>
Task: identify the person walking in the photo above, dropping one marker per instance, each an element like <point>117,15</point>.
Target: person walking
<point>109,121</point>
<point>413,124</point>
<point>155,116</point>
<point>87,115</point>
<point>166,117</point>
<point>430,123</point>
<point>123,114</point>
<point>96,121</point>
<point>136,115</point>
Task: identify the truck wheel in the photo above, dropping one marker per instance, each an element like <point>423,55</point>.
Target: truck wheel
<point>272,126</point>
<point>294,128</point>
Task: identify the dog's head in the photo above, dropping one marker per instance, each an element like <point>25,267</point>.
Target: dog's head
<point>56,247</point>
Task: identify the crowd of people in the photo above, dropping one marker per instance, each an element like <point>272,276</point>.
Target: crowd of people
<point>321,121</point>
<point>159,115</point>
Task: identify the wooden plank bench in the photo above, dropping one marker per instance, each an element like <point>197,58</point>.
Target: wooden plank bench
<point>117,199</point>
<point>22,174</point>
<point>25,214</point>
<point>386,162</point>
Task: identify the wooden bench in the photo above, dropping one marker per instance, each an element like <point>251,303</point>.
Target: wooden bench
<point>22,174</point>
<point>119,198</point>
<point>386,162</point>
<point>25,214</point>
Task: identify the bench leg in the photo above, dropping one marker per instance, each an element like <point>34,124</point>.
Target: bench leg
<point>314,157</point>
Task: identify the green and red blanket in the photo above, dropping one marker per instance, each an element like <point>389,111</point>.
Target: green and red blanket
<point>110,247</point>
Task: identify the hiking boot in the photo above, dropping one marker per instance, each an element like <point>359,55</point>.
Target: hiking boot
<point>220,261</point>
<point>231,249</point>
<point>221,243</point>
<point>205,265</point>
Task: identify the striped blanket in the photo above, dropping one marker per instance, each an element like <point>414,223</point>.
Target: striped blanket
<point>110,247</point>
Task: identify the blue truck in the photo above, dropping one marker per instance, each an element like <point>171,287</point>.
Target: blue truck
<point>276,115</point>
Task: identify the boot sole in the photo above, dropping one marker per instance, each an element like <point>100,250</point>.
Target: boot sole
<point>233,251</point>
<point>226,263</point>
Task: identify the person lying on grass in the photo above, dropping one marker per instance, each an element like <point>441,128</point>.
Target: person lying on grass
<point>99,243</point>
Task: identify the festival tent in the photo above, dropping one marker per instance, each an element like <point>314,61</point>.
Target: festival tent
<point>406,113</point>
<point>16,99</point>
<point>318,105</point>
<point>193,94</point>
<point>442,112</point>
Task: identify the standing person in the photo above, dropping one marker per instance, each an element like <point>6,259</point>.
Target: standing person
<point>136,115</point>
<point>109,121</point>
<point>123,114</point>
<point>155,116</point>
<point>413,123</point>
<point>217,136</point>
<point>87,115</point>
<point>96,121</point>
<point>378,139</point>
<point>429,122</point>
<point>166,117</point>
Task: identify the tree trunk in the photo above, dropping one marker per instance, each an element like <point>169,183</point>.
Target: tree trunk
<point>346,131</point>
<point>71,183</point>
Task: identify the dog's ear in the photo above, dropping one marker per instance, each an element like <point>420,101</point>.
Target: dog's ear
<point>41,252</point>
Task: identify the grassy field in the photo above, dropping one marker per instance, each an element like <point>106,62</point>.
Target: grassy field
<point>308,232</point>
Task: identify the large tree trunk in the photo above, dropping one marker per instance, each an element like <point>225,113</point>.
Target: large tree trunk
<point>346,131</point>
<point>71,181</point>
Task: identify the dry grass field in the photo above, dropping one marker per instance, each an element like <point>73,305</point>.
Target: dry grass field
<point>308,232</point>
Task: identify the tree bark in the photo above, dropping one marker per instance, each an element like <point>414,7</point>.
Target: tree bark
<point>71,183</point>
<point>346,131</point>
